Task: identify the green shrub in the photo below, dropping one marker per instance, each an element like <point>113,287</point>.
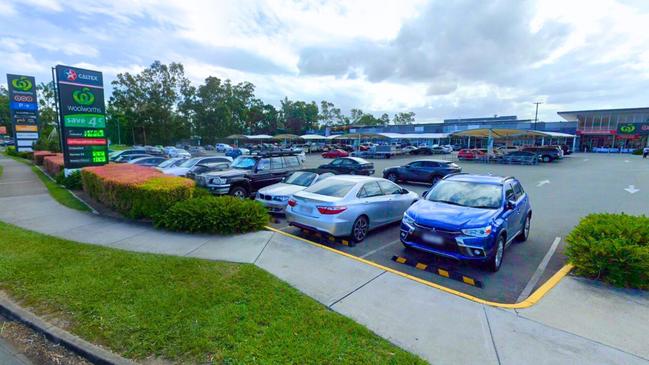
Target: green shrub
<point>210,214</point>
<point>72,181</point>
<point>613,248</point>
<point>11,151</point>
<point>637,152</point>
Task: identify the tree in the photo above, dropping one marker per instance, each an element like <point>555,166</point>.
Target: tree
<point>404,118</point>
<point>48,138</point>
<point>148,103</point>
<point>329,114</point>
<point>5,117</point>
<point>355,115</point>
<point>385,119</point>
<point>299,116</point>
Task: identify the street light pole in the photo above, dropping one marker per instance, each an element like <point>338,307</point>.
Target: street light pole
<point>536,114</point>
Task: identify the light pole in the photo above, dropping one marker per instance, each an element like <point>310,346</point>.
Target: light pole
<point>536,114</point>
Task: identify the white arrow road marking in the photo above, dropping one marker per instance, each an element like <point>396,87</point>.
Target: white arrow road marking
<point>541,183</point>
<point>631,189</point>
<point>586,159</point>
<point>627,161</point>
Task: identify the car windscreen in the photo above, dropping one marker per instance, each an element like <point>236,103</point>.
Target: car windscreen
<point>467,194</point>
<point>190,163</point>
<point>301,178</point>
<point>244,163</point>
<point>170,163</point>
<point>331,187</point>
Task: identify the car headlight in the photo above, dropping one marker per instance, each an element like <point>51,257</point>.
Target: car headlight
<point>477,232</point>
<point>408,219</point>
<point>280,198</point>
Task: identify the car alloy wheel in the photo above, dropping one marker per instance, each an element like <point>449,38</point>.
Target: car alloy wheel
<point>360,228</point>
<point>496,261</point>
<point>239,192</point>
<point>526,229</point>
<point>392,177</point>
<point>546,158</point>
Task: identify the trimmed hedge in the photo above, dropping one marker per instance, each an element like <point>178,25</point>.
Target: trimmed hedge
<point>72,181</point>
<point>135,191</point>
<point>53,165</point>
<point>11,151</point>
<point>40,155</point>
<point>613,248</point>
<point>211,214</point>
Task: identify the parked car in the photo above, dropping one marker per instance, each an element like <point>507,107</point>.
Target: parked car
<point>113,156</point>
<point>344,206</point>
<point>172,162</point>
<point>428,171</point>
<point>178,152</point>
<point>154,150</point>
<point>196,150</point>
<point>507,149</point>
<point>470,218</point>
<point>202,168</point>
<point>248,174</point>
<point>129,157</point>
<point>520,157</point>
<point>236,152</point>
<point>545,153</point>
<point>350,166</point>
<point>335,153</point>
<point>471,154</point>
<point>275,197</point>
<point>566,149</point>
<point>149,161</point>
<point>408,149</point>
<point>222,147</point>
<point>183,168</point>
<point>425,150</point>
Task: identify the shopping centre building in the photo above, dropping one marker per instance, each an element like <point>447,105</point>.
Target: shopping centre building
<point>609,129</point>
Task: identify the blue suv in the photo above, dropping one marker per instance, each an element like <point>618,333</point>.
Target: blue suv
<point>470,218</point>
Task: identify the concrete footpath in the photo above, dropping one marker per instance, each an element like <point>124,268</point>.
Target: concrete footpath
<point>578,322</point>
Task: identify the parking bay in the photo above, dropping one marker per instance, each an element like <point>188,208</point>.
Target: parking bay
<point>561,193</point>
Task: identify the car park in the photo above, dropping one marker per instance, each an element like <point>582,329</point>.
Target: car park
<point>350,165</point>
<point>149,161</point>
<point>202,168</point>
<point>335,153</point>
<point>546,153</point>
<point>128,157</point>
<point>251,173</point>
<point>471,218</point>
<point>520,157</point>
<point>471,154</point>
<point>275,197</point>
<point>113,156</point>
<point>153,150</point>
<point>348,206</point>
<point>178,152</point>
<point>423,150</point>
<point>183,168</point>
<point>426,171</point>
<point>222,147</point>
<point>236,152</point>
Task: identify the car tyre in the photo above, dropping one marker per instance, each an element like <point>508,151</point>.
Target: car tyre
<point>360,228</point>
<point>525,233</point>
<point>392,177</point>
<point>239,192</point>
<point>497,259</point>
<point>547,159</point>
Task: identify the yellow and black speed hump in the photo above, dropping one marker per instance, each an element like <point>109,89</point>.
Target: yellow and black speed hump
<point>447,273</point>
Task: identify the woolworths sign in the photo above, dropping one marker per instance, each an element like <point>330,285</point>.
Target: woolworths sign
<point>83,116</point>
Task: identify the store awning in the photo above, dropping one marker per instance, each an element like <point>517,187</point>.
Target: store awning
<point>360,136</point>
<point>312,137</point>
<point>507,133</point>
<point>415,135</point>
<point>253,137</point>
<point>287,136</point>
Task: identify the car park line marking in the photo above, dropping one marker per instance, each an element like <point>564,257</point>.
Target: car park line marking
<point>527,303</point>
<point>631,189</point>
<point>539,270</point>
<point>541,183</point>
<point>438,271</point>
<point>367,254</point>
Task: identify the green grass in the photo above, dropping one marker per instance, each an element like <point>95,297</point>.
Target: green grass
<point>181,309</point>
<point>118,147</point>
<point>1,167</point>
<point>59,193</point>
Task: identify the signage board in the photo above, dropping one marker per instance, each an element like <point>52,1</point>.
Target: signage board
<point>23,108</point>
<point>3,130</point>
<point>83,117</point>
<point>629,129</point>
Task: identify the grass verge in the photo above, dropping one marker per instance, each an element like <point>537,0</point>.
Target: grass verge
<point>181,309</point>
<point>60,194</point>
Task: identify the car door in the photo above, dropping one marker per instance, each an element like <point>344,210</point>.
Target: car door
<point>351,166</point>
<point>428,170</point>
<point>263,175</point>
<point>397,203</point>
<point>373,203</point>
<point>522,203</point>
<point>336,165</point>
<point>409,171</point>
<point>511,215</point>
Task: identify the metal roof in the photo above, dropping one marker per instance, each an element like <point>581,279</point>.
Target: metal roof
<point>508,132</point>
<point>572,115</point>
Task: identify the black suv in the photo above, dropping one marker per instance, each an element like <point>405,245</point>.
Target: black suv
<point>427,171</point>
<point>247,174</point>
<point>545,153</point>
<point>350,166</point>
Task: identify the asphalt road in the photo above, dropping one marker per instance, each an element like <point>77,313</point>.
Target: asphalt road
<point>561,193</point>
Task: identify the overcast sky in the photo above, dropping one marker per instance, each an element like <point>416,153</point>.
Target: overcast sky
<point>440,59</point>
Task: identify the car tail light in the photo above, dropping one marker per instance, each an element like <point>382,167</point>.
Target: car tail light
<point>292,202</point>
<point>331,210</point>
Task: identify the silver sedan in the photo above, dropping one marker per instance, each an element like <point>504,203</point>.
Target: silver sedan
<point>348,205</point>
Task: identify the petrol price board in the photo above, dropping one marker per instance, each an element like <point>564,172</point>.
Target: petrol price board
<point>23,108</point>
<point>83,116</point>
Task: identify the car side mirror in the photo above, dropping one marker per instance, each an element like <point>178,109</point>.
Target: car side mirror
<point>423,195</point>
<point>511,204</point>
<point>404,191</point>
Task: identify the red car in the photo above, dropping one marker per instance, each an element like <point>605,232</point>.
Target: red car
<point>335,154</point>
<point>467,154</point>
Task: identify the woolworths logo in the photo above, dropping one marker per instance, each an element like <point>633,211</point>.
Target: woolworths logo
<point>627,128</point>
<point>83,96</point>
<point>22,84</point>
